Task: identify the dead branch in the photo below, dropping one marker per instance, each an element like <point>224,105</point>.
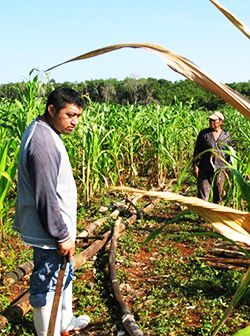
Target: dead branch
<point>98,223</point>
<point>238,261</point>
<point>89,252</point>
<point>127,318</point>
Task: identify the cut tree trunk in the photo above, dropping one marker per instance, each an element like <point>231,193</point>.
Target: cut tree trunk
<point>17,274</point>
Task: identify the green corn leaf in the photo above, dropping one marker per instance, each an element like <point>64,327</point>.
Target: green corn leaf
<point>243,332</point>
<point>6,175</point>
<point>243,184</point>
<point>154,234</point>
<point>241,290</point>
<point>4,156</point>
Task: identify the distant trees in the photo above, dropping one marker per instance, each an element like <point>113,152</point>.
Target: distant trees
<point>138,91</point>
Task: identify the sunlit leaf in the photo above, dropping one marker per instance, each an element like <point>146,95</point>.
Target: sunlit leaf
<point>244,29</point>
<point>243,332</point>
<point>231,223</point>
<point>241,290</point>
<point>181,65</point>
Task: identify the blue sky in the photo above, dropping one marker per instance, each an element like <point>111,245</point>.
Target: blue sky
<point>40,34</point>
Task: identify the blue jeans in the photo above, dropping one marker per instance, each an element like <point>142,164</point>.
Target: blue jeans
<point>43,280</point>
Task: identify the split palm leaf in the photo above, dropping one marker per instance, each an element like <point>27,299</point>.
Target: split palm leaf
<point>181,65</point>
<point>242,27</point>
<point>231,223</point>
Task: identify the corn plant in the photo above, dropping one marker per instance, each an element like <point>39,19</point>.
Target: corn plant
<point>30,99</point>
<point>8,165</point>
<point>92,137</point>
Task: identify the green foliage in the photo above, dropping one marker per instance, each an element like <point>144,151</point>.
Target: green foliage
<point>241,290</point>
<point>243,332</point>
<point>121,144</point>
<point>132,91</point>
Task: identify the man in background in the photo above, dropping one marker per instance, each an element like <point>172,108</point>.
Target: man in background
<point>46,208</point>
<point>208,158</point>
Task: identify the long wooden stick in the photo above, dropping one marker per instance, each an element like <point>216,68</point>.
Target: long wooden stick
<point>238,261</point>
<point>57,296</point>
<point>127,318</point>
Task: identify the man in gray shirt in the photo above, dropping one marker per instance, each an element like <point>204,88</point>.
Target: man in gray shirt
<point>212,141</point>
<point>46,208</point>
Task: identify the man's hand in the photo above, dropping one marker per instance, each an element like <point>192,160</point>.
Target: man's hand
<point>67,248</point>
<point>196,171</point>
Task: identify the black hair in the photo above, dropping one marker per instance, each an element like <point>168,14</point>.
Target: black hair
<point>62,96</point>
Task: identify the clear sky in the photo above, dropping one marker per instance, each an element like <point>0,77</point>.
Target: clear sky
<point>40,34</point>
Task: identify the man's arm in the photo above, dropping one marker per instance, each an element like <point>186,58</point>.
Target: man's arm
<point>196,158</point>
<point>43,162</point>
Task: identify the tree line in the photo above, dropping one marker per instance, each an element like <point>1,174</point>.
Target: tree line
<point>136,91</point>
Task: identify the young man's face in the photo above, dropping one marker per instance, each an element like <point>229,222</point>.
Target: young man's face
<point>66,119</point>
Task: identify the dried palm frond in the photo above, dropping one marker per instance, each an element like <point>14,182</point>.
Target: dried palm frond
<point>243,28</point>
<point>183,66</point>
<point>231,223</point>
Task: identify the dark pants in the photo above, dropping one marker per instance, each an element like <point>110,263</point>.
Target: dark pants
<point>207,181</point>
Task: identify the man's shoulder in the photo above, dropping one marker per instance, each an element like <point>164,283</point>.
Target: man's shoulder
<point>205,131</point>
<point>39,138</point>
<point>225,132</point>
<point>225,136</point>
<point>41,135</point>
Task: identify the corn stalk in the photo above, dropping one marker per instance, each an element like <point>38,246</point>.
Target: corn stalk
<point>8,164</point>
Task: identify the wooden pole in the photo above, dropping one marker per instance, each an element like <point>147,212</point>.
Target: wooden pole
<point>127,318</point>
<point>57,296</point>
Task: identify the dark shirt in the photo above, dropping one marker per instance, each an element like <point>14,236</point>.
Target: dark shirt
<point>208,161</point>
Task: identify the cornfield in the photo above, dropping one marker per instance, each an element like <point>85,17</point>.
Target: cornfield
<point>117,145</point>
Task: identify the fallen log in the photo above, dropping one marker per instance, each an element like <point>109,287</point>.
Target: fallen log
<point>127,318</point>
<point>238,261</point>
<point>15,311</point>
<point>225,266</point>
<point>17,274</point>
<point>222,252</point>
<point>92,226</point>
<point>89,252</point>
<point>98,223</point>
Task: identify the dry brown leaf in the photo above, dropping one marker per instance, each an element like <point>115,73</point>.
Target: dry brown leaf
<point>184,67</point>
<point>233,224</point>
<point>243,28</point>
